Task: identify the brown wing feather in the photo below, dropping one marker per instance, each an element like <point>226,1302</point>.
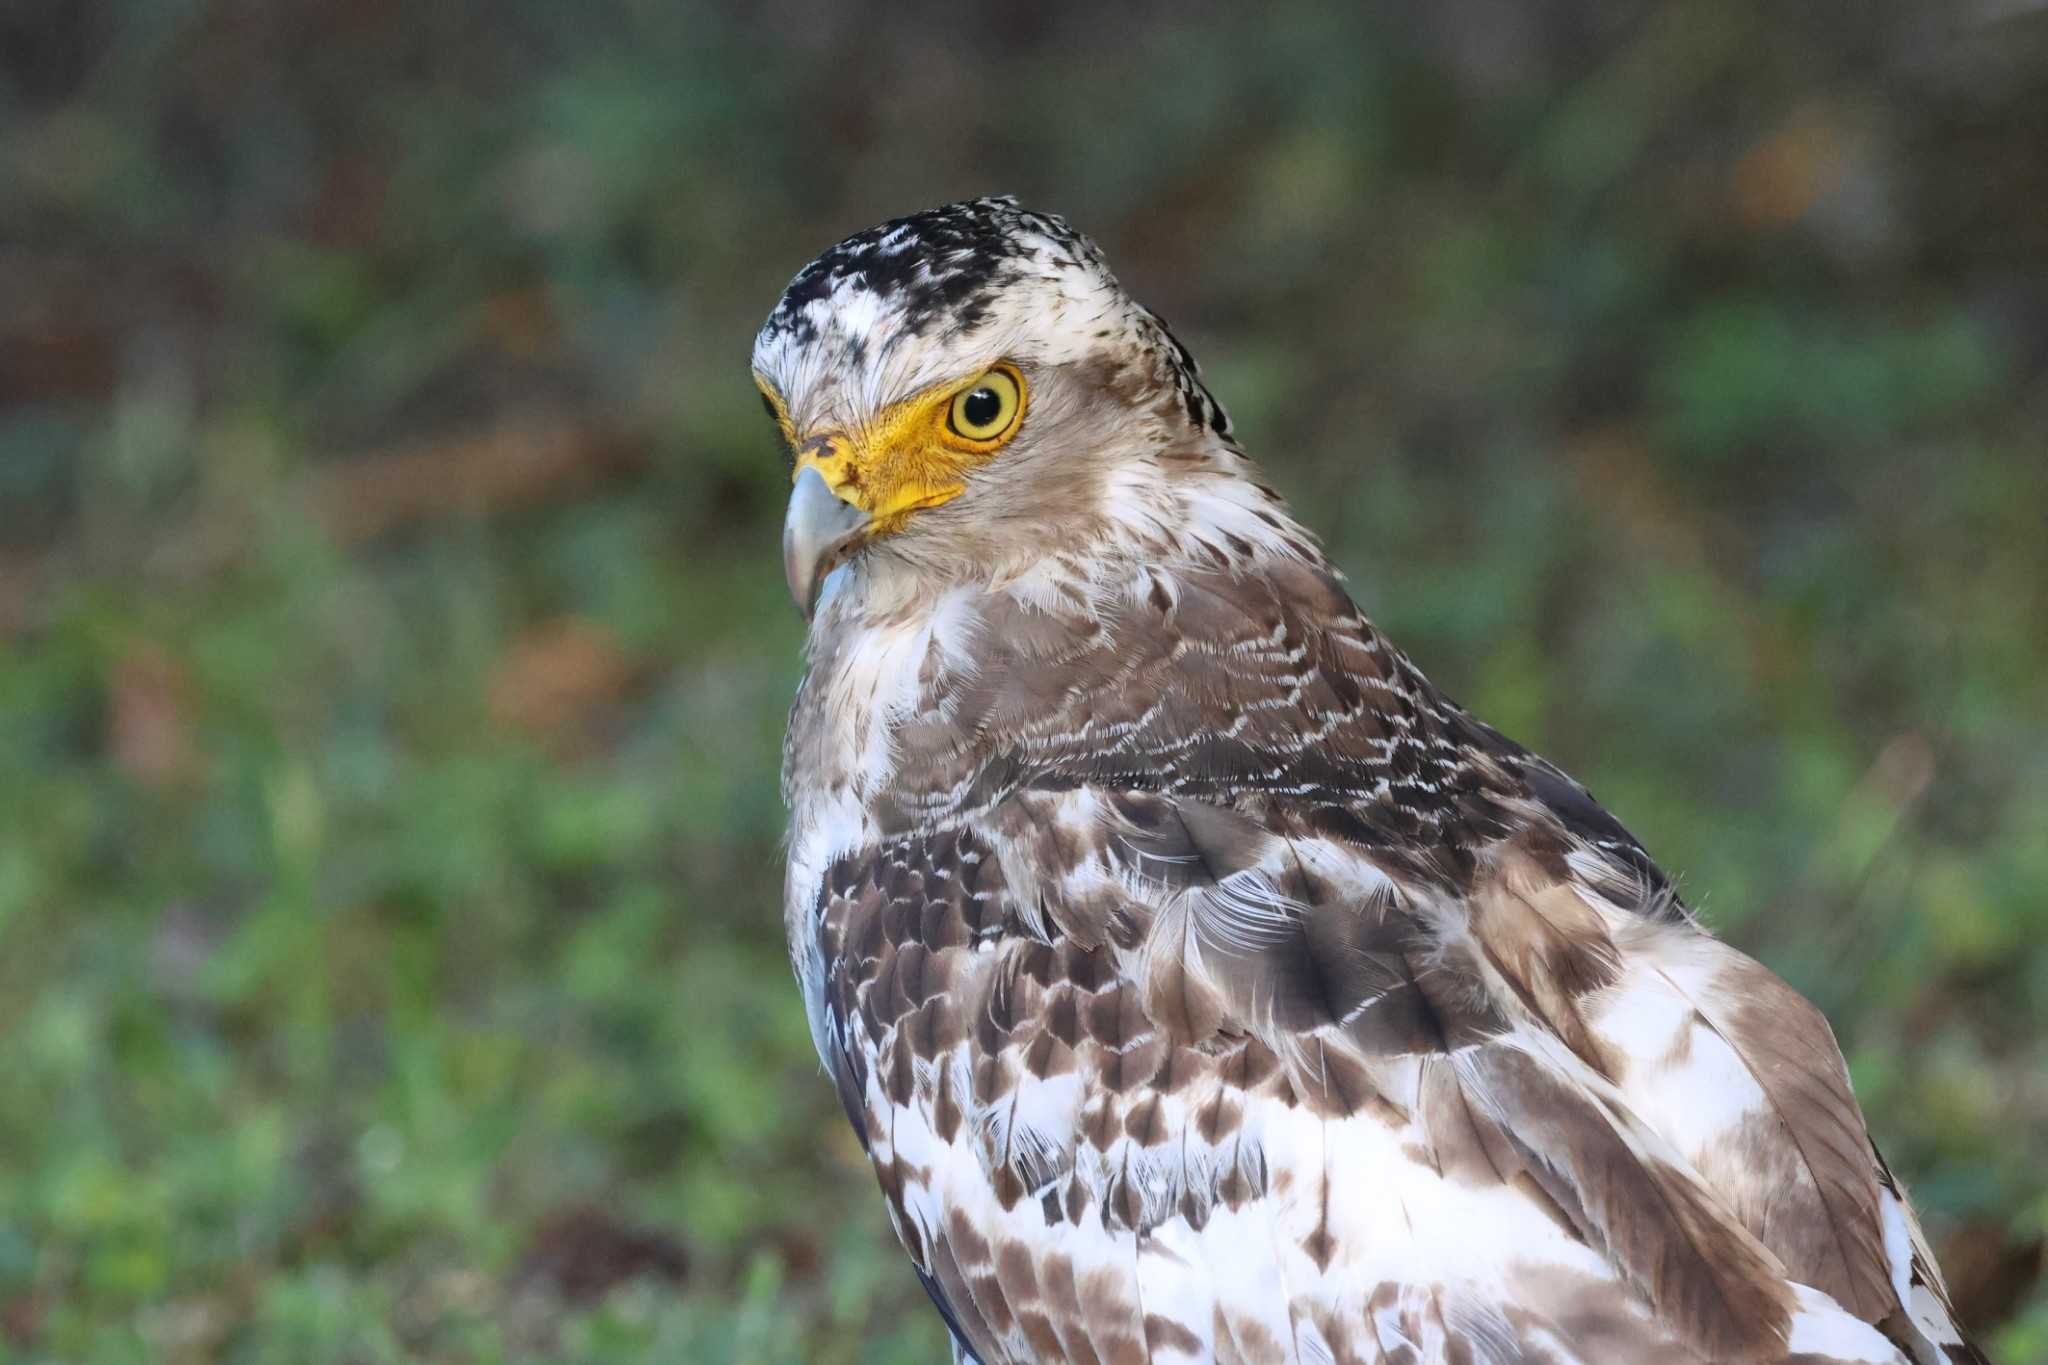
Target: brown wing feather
<point>1549,947</point>
<point>1826,1223</point>
<point>1707,1277</point>
<point>1542,1117</point>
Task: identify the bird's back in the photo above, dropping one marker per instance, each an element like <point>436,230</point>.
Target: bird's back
<point>1205,986</point>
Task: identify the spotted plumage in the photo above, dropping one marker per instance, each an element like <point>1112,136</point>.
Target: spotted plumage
<point>1203,984</point>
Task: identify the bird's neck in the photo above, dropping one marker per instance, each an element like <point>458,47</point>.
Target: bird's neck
<point>891,709</point>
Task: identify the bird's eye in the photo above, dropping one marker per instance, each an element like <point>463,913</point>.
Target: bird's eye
<point>987,409</point>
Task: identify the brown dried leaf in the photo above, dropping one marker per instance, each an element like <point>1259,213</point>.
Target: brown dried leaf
<point>556,676</point>
<point>583,1251</point>
<point>149,724</point>
<point>525,459</point>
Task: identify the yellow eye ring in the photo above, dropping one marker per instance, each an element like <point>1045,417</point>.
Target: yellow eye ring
<point>986,412</point>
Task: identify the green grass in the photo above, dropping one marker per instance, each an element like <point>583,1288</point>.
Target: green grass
<point>312,1034</point>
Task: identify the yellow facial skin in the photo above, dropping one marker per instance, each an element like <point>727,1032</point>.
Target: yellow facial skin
<point>915,453</point>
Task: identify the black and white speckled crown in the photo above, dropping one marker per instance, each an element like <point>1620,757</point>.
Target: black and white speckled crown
<point>938,268</point>
<point>887,309</point>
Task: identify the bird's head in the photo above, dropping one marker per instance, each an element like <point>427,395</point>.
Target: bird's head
<point>964,390</point>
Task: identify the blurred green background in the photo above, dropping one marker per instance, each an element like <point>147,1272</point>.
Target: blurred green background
<point>393,650</point>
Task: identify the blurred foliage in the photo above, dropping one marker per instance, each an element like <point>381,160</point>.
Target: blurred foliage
<point>393,653</point>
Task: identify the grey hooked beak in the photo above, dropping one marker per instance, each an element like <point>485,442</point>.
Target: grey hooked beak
<point>820,530</point>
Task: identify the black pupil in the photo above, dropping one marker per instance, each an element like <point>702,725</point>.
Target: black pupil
<point>982,408</point>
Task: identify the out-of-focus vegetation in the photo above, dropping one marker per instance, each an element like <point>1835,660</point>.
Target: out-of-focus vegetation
<point>393,651</point>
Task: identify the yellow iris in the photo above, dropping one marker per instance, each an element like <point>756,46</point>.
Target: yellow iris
<point>986,411</point>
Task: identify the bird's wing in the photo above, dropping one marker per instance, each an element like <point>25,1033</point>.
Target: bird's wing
<point>1232,1117</point>
<point>1200,1041</point>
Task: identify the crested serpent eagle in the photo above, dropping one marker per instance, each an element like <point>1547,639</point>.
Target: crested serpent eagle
<point>1202,982</point>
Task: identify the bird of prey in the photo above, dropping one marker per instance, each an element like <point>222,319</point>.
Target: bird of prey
<point>1202,982</point>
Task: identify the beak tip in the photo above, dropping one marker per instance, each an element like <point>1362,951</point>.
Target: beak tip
<point>817,533</point>
<point>804,595</point>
